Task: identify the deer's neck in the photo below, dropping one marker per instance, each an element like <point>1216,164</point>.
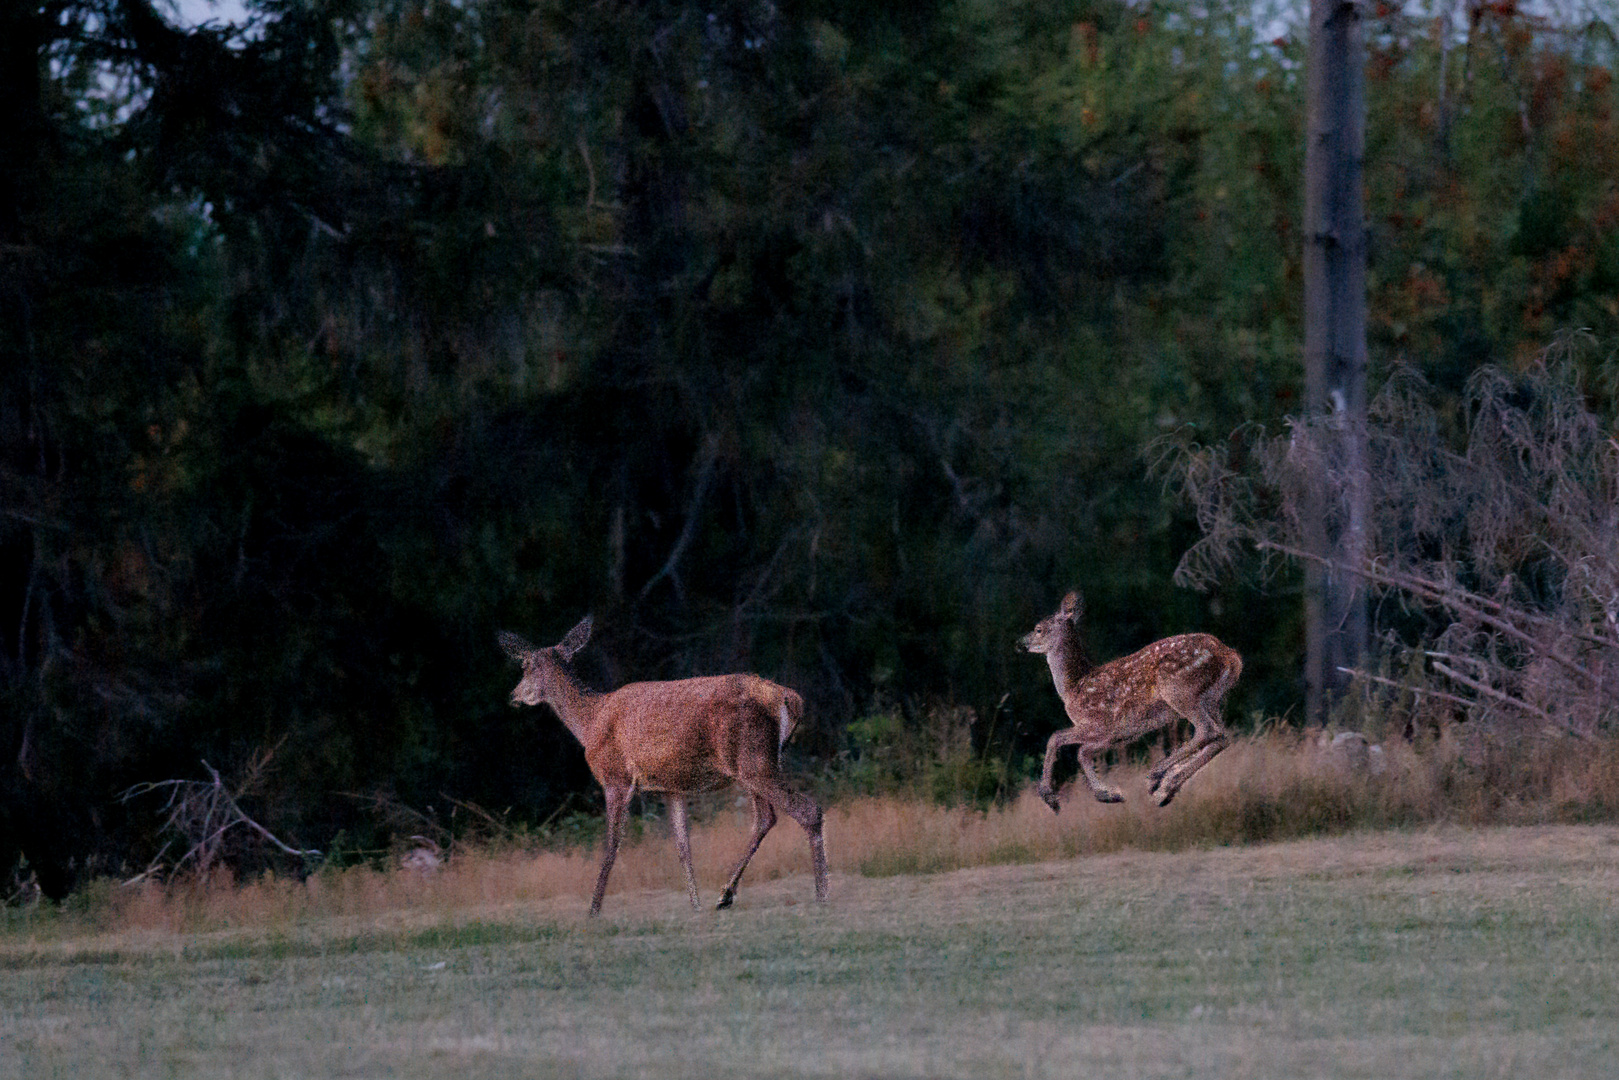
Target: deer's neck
<point>576,707</point>
<point>1069,663</point>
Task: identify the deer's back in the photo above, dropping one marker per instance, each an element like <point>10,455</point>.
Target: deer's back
<point>1127,695</point>
<point>692,734</point>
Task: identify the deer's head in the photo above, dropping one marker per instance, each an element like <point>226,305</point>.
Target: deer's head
<point>543,669</point>
<point>1055,630</point>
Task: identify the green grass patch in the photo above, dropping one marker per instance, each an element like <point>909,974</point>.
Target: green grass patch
<point>1450,952</point>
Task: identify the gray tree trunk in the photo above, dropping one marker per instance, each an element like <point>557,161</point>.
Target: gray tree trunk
<point>1335,347</point>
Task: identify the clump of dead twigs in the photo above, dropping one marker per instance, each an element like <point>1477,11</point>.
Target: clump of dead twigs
<point>1491,545</point>
<point>207,816</point>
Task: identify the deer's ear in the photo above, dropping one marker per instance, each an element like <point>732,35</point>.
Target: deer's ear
<point>1072,605</point>
<point>513,645</point>
<point>576,638</point>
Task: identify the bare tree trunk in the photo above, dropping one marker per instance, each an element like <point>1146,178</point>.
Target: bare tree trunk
<point>1335,345</point>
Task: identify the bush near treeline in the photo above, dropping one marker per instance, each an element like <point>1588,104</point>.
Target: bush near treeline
<point>825,340</point>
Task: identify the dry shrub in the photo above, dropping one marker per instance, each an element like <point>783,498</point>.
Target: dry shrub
<point>1273,785</point>
<point>1488,544</point>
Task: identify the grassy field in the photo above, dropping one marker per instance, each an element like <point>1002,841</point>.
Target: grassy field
<point>1434,952</point>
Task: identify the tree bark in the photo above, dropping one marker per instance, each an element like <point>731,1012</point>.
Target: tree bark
<point>1335,348</point>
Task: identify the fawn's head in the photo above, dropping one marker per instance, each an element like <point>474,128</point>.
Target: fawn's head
<point>543,669</point>
<point>1055,630</point>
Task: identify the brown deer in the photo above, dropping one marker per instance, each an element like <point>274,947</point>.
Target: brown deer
<point>1186,675</point>
<point>675,738</point>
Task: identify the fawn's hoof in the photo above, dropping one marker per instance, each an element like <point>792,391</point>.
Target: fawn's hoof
<point>1049,797</point>
<point>1165,795</point>
<point>1109,795</point>
<point>725,900</point>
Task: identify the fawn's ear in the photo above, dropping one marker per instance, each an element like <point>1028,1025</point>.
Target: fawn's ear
<point>513,645</point>
<point>1072,606</point>
<point>576,638</point>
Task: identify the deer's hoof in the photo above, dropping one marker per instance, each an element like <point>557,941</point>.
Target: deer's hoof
<point>1165,796</point>
<point>1109,795</point>
<point>1049,797</point>
<point>725,900</point>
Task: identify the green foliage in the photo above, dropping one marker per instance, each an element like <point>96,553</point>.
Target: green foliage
<point>931,756</point>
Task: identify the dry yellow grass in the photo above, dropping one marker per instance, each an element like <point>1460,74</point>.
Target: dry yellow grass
<point>1266,787</point>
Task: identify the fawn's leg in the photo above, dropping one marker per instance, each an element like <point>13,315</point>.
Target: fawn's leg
<point>1066,737</point>
<point>1217,740</point>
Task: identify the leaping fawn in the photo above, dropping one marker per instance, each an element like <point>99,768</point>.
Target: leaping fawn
<point>675,738</point>
<point>1186,675</point>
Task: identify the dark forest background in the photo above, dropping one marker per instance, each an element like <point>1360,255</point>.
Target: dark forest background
<point>833,341</point>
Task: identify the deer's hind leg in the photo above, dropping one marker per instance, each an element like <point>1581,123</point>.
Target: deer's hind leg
<point>759,773</point>
<point>1208,739</point>
<point>1169,715</point>
<point>1172,784</point>
<point>1173,760</point>
<point>807,812</point>
<point>764,819</point>
<point>677,821</point>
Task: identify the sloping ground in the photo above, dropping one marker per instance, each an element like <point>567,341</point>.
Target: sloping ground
<point>1271,786</point>
<point>1433,953</point>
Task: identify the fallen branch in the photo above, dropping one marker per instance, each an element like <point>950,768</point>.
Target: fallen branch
<point>1490,691</point>
<point>1420,691</point>
<point>203,812</point>
<point>153,868</point>
<point>1458,600</point>
<point>398,816</point>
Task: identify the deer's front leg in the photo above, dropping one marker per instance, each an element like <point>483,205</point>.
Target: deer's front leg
<point>1054,745</point>
<point>1086,766</point>
<point>618,805</point>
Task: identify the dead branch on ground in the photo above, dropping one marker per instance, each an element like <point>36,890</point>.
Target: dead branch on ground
<point>203,814</point>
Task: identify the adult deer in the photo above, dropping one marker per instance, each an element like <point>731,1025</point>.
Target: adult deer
<point>1186,675</point>
<point>675,738</point>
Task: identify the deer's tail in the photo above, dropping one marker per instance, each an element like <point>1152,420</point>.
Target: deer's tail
<point>788,714</point>
<point>1228,677</point>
